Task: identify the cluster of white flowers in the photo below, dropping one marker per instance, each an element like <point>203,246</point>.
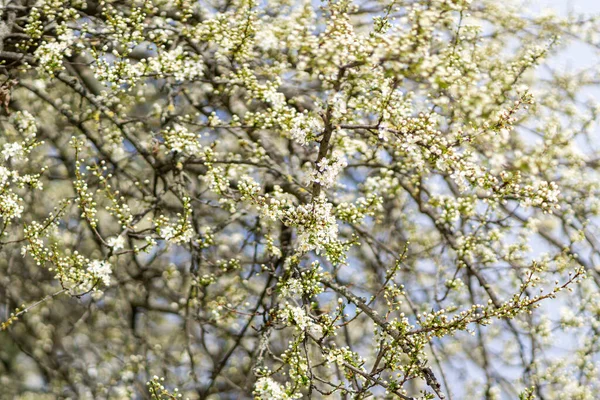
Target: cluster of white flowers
<point>159,391</point>
<point>338,105</point>
<point>116,74</point>
<point>543,195</point>
<point>217,180</point>
<point>291,288</point>
<point>273,206</point>
<point>10,205</point>
<point>50,54</point>
<point>327,169</point>
<point>177,234</point>
<point>568,318</point>
<point>296,316</point>
<point>179,63</point>
<point>274,98</point>
<point>180,231</point>
<point>303,128</point>
<point>5,175</point>
<point>179,139</point>
<point>265,388</point>
<point>384,182</point>
<point>453,208</point>
<point>100,270</point>
<point>12,150</point>
<point>316,224</point>
<point>116,242</point>
<point>360,208</point>
<point>342,355</point>
<point>25,123</point>
<point>307,284</point>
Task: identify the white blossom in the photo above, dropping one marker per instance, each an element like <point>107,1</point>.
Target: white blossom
<point>12,150</point>
<point>266,388</point>
<point>180,140</point>
<point>116,242</point>
<point>327,169</point>
<point>100,270</point>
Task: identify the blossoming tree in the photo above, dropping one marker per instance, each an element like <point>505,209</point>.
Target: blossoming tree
<point>230,199</point>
